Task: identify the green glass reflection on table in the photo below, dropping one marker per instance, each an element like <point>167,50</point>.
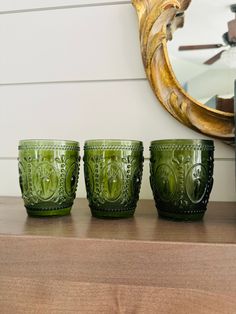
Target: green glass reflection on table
<point>48,175</point>
<point>113,173</point>
<point>181,177</point>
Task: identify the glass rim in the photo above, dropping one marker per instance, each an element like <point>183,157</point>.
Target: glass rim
<point>113,141</point>
<point>48,142</point>
<point>184,141</point>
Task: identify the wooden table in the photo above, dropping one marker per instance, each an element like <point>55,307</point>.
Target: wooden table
<point>143,264</point>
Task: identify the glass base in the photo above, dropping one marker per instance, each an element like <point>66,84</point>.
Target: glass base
<point>48,212</point>
<point>181,216</point>
<point>111,214</point>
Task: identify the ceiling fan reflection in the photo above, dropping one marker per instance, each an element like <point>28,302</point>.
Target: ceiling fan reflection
<point>229,39</point>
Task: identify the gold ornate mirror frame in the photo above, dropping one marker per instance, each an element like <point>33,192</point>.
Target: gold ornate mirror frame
<point>158,19</point>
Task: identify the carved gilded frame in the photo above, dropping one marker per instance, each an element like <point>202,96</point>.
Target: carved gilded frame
<point>158,19</point>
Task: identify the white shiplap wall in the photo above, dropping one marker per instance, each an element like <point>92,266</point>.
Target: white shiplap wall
<point>73,69</point>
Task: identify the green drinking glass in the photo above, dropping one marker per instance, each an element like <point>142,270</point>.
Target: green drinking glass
<point>181,177</point>
<point>113,174</point>
<point>48,175</point>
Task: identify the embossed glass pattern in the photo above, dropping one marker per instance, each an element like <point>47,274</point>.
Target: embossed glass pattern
<point>181,177</point>
<point>113,173</point>
<point>48,175</point>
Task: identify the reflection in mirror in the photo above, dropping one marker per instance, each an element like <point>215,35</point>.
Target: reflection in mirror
<point>199,53</point>
<point>158,20</point>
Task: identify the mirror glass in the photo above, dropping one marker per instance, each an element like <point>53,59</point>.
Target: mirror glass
<point>205,22</point>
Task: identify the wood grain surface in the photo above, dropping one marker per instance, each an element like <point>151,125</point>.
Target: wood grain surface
<point>218,225</point>
<point>51,296</point>
<point>43,274</point>
<point>79,264</point>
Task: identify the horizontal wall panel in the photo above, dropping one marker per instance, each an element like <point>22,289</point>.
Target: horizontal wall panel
<point>223,188</point>
<point>7,6</point>
<point>123,109</point>
<point>88,43</point>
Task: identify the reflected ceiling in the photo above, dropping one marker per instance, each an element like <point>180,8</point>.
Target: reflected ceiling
<point>205,22</point>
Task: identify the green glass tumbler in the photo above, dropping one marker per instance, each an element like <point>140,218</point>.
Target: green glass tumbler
<point>48,175</point>
<point>113,174</point>
<point>181,177</point>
